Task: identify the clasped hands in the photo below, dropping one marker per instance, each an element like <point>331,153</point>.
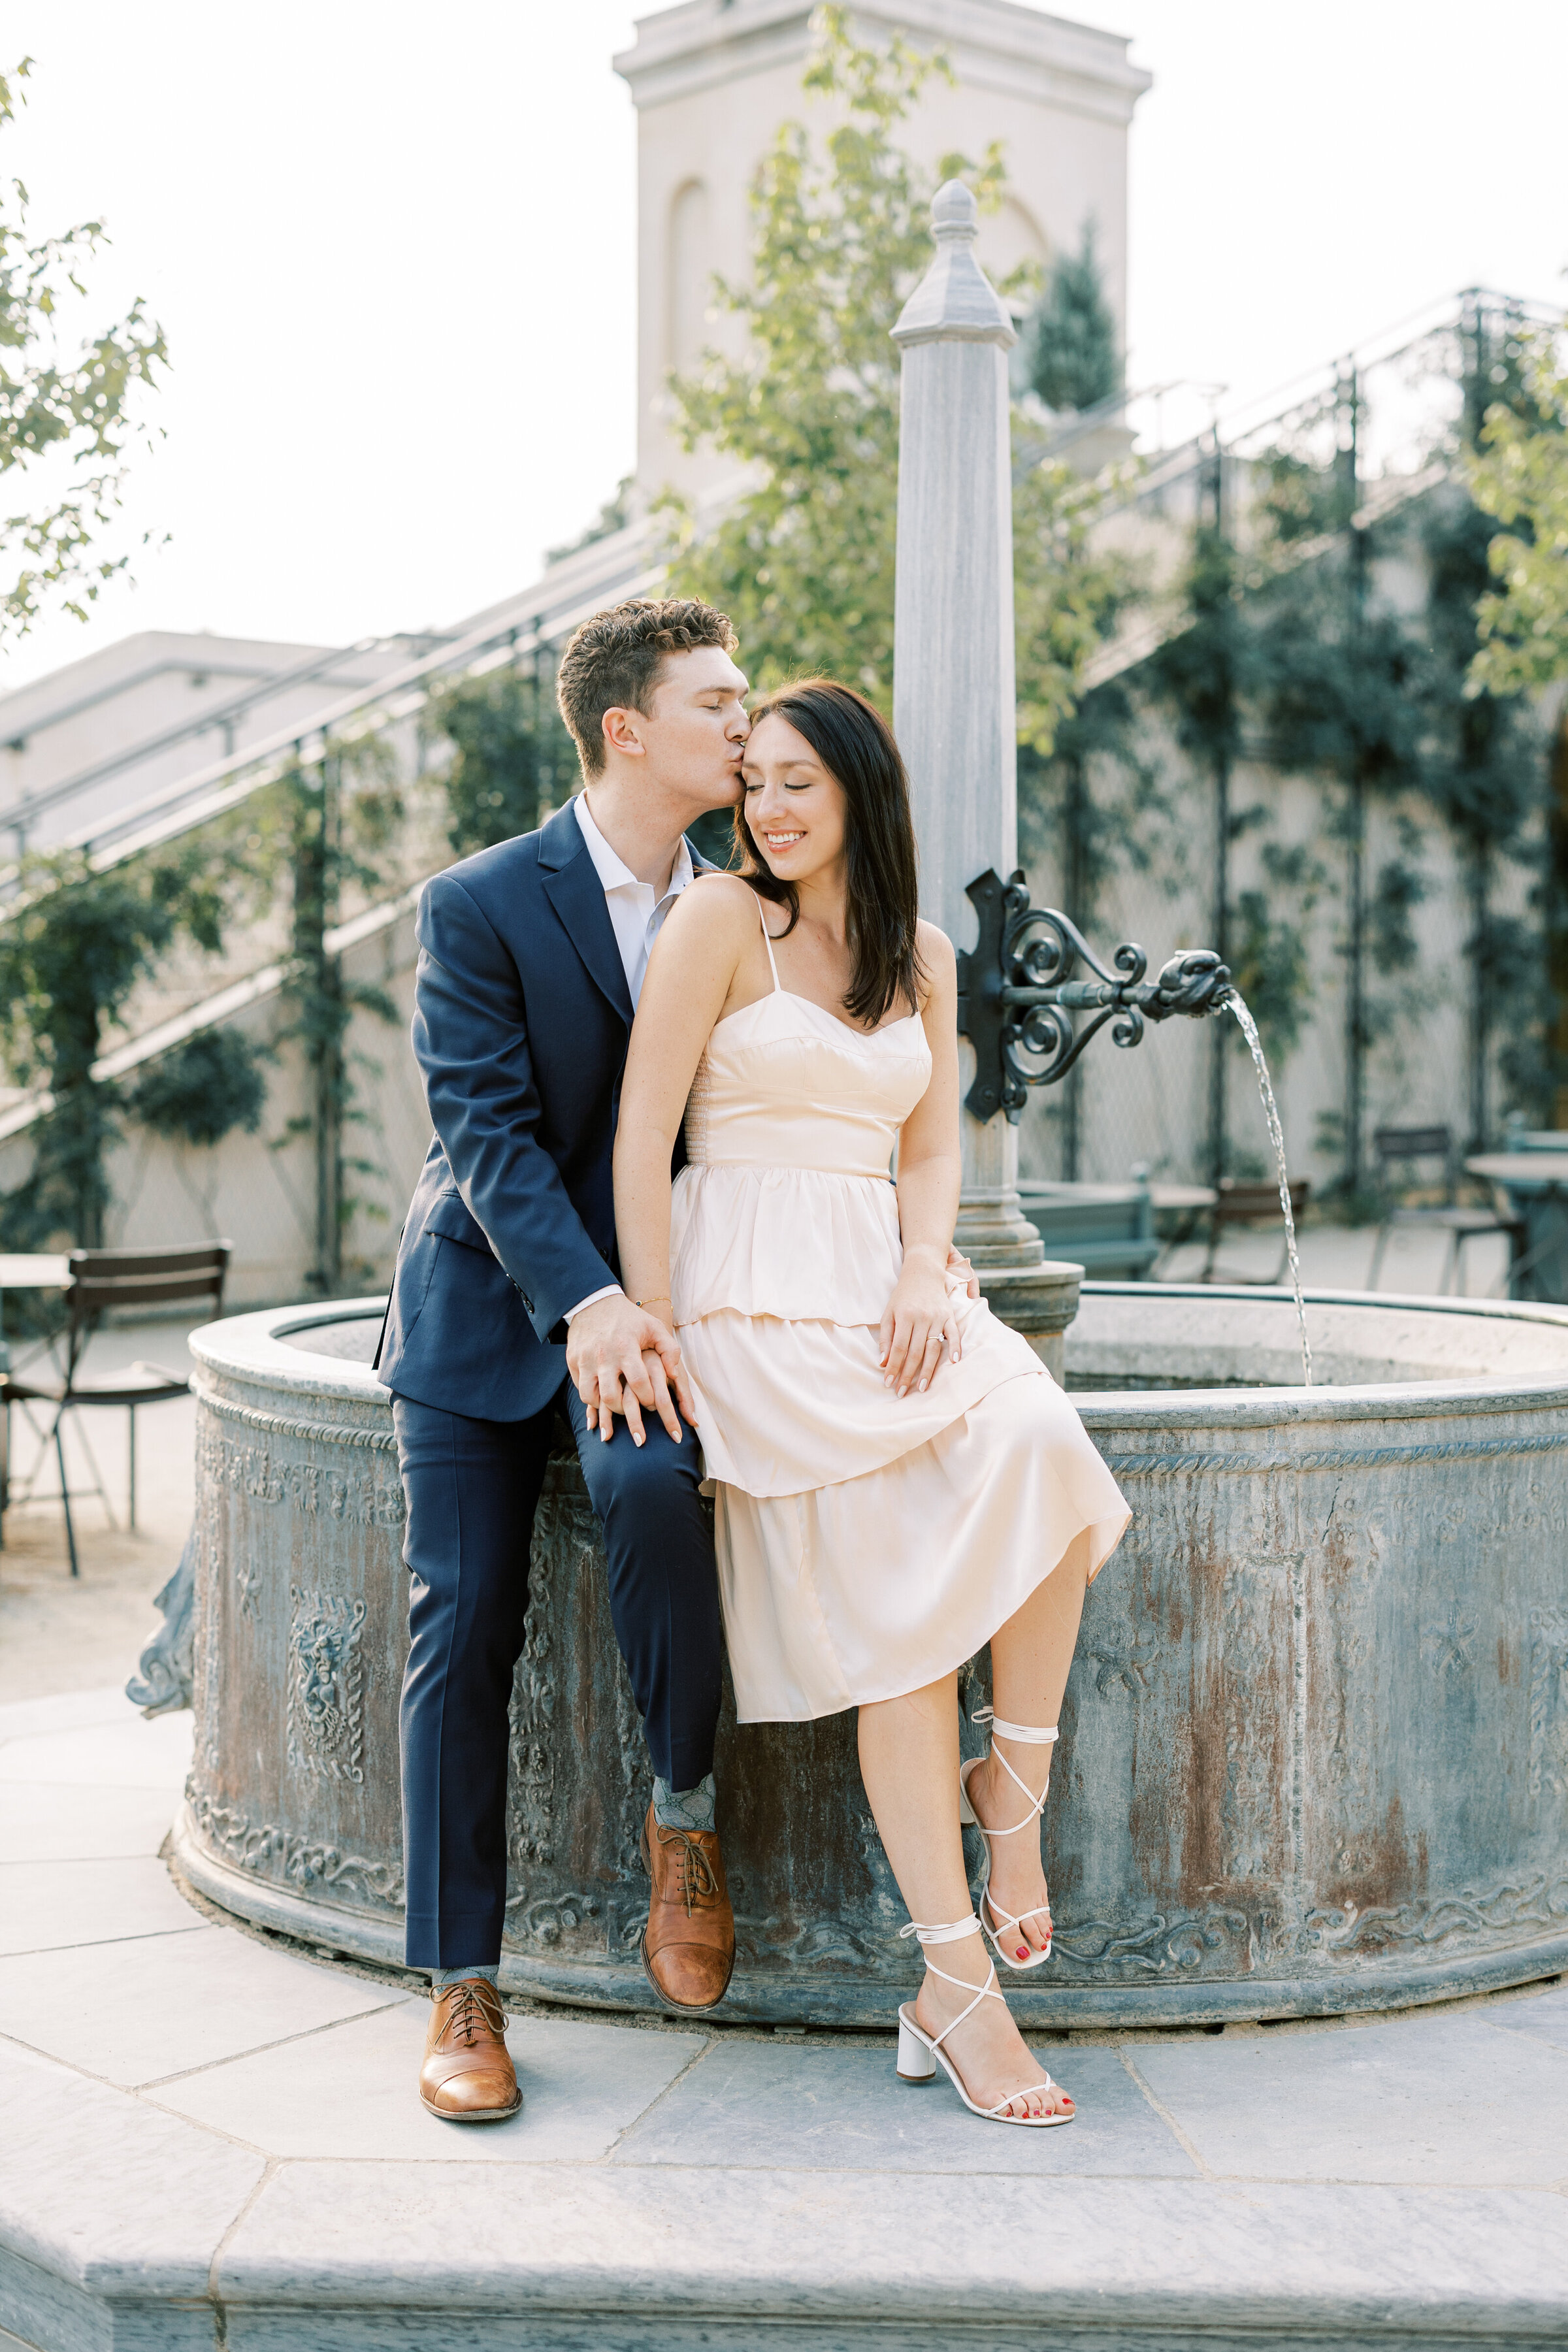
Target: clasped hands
<point>622,1359</point>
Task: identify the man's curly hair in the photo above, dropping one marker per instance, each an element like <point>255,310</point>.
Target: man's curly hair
<point>613,662</point>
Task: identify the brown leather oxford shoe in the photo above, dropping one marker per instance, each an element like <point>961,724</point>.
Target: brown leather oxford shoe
<point>468,2076</point>
<point>689,1944</point>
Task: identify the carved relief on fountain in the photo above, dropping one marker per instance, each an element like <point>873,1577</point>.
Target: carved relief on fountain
<point>1264,1801</point>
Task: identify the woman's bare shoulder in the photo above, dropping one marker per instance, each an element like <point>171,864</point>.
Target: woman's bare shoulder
<point>933,947</point>
<point>712,907</point>
<point>938,965</point>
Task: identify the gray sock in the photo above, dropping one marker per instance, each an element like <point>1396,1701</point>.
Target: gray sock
<point>684,1808</point>
<point>443,1980</point>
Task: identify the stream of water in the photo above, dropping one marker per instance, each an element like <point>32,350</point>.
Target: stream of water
<point>1277,1136</point>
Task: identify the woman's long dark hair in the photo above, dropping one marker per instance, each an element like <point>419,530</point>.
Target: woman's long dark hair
<point>856,745</point>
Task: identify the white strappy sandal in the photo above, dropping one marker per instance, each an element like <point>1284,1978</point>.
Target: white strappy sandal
<point>919,2053</point>
<point>1035,1737</point>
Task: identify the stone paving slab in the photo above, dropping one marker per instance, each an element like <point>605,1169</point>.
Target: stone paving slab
<point>139,2013</point>
<point>133,1754</point>
<point>348,2092</point>
<point>1444,2099</point>
<point>758,2105</point>
<point>22,1719</point>
<point>42,1824</point>
<point>208,2140</point>
<point>1543,2018</point>
<point>52,1905</point>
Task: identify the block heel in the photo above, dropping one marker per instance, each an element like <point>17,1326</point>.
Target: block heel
<point>921,2053</point>
<point>916,2064</point>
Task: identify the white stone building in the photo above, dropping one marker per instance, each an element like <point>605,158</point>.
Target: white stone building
<point>713,79</point>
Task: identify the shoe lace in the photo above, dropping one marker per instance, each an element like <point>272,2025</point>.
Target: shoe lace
<point>697,1882</point>
<point>471,2012</point>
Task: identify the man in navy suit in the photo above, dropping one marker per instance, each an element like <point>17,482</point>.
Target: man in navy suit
<point>506,1307</point>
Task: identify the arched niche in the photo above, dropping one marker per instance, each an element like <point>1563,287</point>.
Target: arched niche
<point>1011,236</point>
<point>687,269</point>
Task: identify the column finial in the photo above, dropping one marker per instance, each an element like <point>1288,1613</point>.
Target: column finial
<point>955,302</point>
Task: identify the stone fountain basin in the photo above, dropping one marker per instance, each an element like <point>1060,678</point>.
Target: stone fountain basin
<point>1139,1336</point>
<point>1314,1751</point>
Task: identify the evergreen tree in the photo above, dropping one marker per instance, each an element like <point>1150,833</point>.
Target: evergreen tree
<point>1070,337</point>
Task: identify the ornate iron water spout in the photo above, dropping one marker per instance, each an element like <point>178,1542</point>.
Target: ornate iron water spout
<point>1017,995</point>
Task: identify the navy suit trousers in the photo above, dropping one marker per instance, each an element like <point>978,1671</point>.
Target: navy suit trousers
<point>470,1488</point>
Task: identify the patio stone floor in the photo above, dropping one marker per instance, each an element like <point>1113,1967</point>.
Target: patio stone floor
<point>212,2139</point>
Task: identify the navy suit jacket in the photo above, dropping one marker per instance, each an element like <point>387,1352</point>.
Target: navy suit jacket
<point>521,1019</point>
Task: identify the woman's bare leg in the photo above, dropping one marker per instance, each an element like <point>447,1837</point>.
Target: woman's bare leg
<point>909,1761</point>
<point>1030,1656</point>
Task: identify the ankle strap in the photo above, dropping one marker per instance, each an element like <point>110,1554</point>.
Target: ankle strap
<point>950,1935</point>
<point>1030,1732</point>
<point>970,1927</point>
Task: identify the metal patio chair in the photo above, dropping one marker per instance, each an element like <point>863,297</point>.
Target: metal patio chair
<point>1402,1146</point>
<point>101,1280</point>
<point>1249,1206</point>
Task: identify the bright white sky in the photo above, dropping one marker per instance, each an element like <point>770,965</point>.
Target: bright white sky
<point>392,248</point>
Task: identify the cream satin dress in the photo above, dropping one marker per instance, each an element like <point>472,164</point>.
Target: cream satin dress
<point>868,1543</point>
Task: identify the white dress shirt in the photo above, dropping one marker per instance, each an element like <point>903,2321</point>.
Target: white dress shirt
<point>636,918</point>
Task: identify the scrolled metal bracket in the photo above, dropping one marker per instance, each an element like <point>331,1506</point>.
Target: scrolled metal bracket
<point>1017,994</point>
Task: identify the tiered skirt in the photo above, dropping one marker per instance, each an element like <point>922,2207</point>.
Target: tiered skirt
<point>868,1543</point>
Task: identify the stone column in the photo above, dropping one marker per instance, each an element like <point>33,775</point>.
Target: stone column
<point>954,692</point>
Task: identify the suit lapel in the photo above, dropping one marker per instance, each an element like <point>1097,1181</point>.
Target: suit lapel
<point>573,886</point>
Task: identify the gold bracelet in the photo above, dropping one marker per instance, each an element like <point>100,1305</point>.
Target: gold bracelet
<point>654,1301</point>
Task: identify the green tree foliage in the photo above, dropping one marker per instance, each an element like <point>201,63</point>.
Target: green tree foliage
<point>1070,336</point>
<point>69,962</point>
<point>804,561</point>
<point>75,945</point>
<point>1206,668</point>
<point>1290,651</point>
<point>511,755</point>
<point>201,1090</point>
<point>1337,680</point>
<point>1270,953</point>
<point>1483,773</point>
<point>1518,478</point>
<point>1481,768</point>
<point>67,410</point>
<point>1399,889</point>
<point>338,820</point>
<point>1098,804</point>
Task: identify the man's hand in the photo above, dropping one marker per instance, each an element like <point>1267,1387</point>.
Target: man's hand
<point>957,1264</point>
<point>623,1359</point>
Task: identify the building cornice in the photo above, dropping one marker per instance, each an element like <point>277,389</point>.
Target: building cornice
<point>994,45</point>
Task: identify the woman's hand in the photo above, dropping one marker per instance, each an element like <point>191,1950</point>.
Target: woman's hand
<point>920,1323</point>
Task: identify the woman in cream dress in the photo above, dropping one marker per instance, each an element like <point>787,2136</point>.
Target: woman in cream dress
<point>898,1479</point>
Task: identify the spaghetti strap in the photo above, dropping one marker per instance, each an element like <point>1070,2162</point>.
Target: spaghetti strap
<point>767,935</point>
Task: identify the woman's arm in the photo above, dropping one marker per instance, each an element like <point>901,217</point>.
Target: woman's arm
<point>919,1321</point>
<point>695,959</point>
